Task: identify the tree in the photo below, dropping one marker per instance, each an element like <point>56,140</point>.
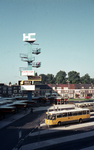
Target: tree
<point>92,81</point>
<point>50,79</point>
<point>10,83</point>
<point>44,78</point>
<point>86,79</point>
<point>74,77</point>
<point>36,74</point>
<point>61,77</point>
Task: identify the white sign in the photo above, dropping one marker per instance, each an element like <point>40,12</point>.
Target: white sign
<point>27,72</point>
<point>27,87</point>
<point>30,37</point>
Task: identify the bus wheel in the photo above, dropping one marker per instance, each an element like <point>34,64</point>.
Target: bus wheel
<point>80,120</point>
<point>59,123</point>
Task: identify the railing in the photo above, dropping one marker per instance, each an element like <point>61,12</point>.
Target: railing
<point>36,64</point>
<point>36,51</point>
<point>24,57</point>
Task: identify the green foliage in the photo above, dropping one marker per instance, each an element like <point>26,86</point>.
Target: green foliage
<point>50,78</point>
<point>44,78</point>
<point>74,77</point>
<point>92,80</point>
<point>60,78</point>
<point>86,79</point>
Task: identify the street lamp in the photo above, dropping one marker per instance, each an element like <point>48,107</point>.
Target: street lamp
<point>68,86</point>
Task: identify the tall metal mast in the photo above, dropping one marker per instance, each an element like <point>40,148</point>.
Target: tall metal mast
<point>30,38</point>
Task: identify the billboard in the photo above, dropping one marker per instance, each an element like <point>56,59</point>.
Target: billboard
<point>34,78</point>
<point>27,87</point>
<point>27,72</point>
<point>29,37</point>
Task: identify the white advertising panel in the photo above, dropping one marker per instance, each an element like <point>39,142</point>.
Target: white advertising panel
<point>28,87</point>
<point>27,72</point>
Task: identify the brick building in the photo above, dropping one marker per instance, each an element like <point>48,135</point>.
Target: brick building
<point>64,90</point>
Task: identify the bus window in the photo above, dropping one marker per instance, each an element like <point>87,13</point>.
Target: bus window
<point>84,112</point>
<point>53,117</point>
<point>74,113</point>
<point>88,112</point>
<point>50,109</point>
<point>64,114</point>
<point>49,117</point>
<point>80,113</point>
<point>59,115</point>
<point>69,114</point>
<point>83,106</point>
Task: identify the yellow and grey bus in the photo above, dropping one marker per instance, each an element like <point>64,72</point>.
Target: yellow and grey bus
<point>89,105</point>
<point>66,116</point>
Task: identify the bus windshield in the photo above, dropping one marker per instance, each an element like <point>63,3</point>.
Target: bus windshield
<point>50,117</point>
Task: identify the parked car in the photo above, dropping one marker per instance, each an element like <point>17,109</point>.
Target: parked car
<point>87,97</point>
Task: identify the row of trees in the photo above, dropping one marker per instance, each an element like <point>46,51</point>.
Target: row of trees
<point>62,78</point>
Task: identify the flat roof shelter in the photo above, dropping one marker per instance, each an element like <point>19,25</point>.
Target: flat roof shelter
<point>61,107</point>
<point>60,99</point>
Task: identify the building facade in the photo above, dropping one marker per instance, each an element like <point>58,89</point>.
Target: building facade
<point>64,90</point>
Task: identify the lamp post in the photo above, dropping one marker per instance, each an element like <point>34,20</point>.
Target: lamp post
<point>68,86</point>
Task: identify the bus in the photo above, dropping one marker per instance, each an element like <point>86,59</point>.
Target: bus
<point>67,116</point>
<point>89,105</point>
<point>61,107</point>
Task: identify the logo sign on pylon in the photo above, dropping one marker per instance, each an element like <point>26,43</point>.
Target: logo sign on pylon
<point>30,37</point>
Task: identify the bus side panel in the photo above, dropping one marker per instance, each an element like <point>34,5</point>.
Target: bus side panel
<point>63,119</point>
<point>48,122</point>
<point>75,118</point>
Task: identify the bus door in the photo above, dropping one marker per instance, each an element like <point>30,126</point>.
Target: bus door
<point>54,119</point>
<point>70,117</point>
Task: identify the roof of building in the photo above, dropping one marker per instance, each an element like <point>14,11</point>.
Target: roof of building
<point>43,86</point>
<point>83,86</point>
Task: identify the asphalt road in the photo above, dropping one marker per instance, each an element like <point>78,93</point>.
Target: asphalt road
<point>73,145</point>
<point>9,135</point>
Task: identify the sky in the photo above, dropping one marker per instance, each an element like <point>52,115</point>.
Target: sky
<point>64,31</point>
